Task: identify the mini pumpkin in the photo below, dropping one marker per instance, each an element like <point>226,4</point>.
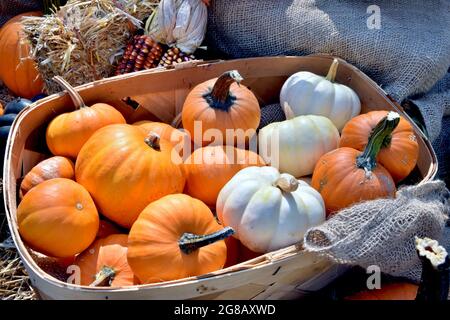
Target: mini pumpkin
<point>267,209</point>
<point>54,167</point>
<point>307,93</point>
<point>221,104</point>
<point>400,149</point>
<point>176,237</point>
<point>294,146</point>
<point>125,169</point>
<point>58,218</point>
<point>68,132</point>
<point>17,70</point>
<point>346,176</point>
<point>104,263</point>
<point>209,168</point>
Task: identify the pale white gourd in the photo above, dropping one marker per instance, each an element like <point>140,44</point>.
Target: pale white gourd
<point>295,145</point>
<point>269,210</point>
<point>308,93</point>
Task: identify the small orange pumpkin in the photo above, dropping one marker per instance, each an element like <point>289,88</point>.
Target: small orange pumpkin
<point>221,104</point>
<point>105,263</point>
<point>58,218</point>
<point>68,132</point>
<point>176,237</point>
<point>208,169</point>
<point>124,170</point>
<point>54,167</point>
<point>17,70</point>
<point>400,150</point>
<point>345,176</point>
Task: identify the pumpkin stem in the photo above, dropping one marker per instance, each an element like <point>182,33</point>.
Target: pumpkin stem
<point>190,242</point>
<point>331,75</point>
<point>434,284</point>
<point>74,95</point>
<point>153,141</point>
<point>367,160</point>
<point>176,122</point>
<point>220,96</point>
<point>286,183</point>
<point>104,277</point>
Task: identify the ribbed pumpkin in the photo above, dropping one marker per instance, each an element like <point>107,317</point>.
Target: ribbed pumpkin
<point>345,176</point>
<point>104,263</point>
<point>220,104</point>
<point>400,150</point>
<point>124,170</point>
<point>17,70</point>
<point>68,132</point>
<point>54,167</point>
<point>58,218</point>
<point>176,237</point>
<point>209,168</point>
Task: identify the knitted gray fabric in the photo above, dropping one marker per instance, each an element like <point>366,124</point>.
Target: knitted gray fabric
<point>406,56</point>
<point>381,232</point>
<point>11,8</point>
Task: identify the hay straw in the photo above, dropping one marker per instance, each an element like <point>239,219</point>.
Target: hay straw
<point>83,40</point>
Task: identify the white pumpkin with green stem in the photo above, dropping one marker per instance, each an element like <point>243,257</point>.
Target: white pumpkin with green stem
<point>308,93</point>
<point>269,210</point>
<point>295,145</point>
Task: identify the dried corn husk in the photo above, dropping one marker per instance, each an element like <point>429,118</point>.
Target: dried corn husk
<point>82,40</point>
<point>180,23</point>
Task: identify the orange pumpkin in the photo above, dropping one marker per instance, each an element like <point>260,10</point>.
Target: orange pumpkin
<point>68,132</point>
<point>2,110</point>
<point>105,263</point>
<point>209,168</point>
<point>391,291</point>
<point>58,218</point>
<point>54,167</point>
<point>176,237</point>
<point>124,170</point>
<point>221,104</point>
<point>17,70</point>
<point>400,150</point>
<point>179,139</point>
<point>106,228</point>
<point>345,176</point>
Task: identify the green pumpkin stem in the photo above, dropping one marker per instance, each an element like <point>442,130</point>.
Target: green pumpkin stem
<point>331,75</point>
<point>153,141</point>
<point>104,277</point>
<point>74,95</point>
<point>220,96</point>
<point>368,159</point>
<point>434,283</point>
<point>190,242</point>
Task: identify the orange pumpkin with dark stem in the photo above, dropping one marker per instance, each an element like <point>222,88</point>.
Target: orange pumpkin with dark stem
<point>345,176</point>
<point>400,149</point>
<point>68,132</point>
<point>104,263</point>
<point>54,167</point>
<point>176,237</point>
<point>124,170</point>
<point>221,104</point>
<point>58,218</point>
<point>17,70</point>
<point>208,169</point>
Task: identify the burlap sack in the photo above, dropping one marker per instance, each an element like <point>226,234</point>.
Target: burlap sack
<point>382,232</point>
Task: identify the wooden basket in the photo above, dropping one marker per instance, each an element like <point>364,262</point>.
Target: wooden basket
<point>283,274</point>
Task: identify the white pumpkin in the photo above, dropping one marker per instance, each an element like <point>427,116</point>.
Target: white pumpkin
<point>308,93</point>
<point>269,210</point>
<point>295,145</point>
